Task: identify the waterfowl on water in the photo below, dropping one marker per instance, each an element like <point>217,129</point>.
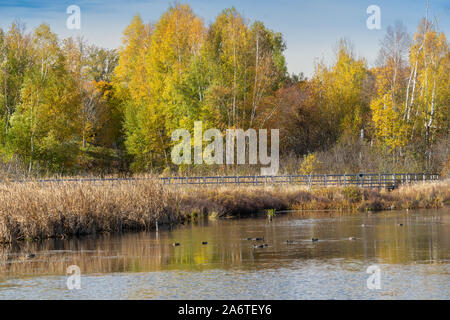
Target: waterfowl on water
<point>204,242</point>
<point>31,256</point>
<point>258,246</point>
<point>352,238</point>
<point>256,239</point>
<point>400,224</point>
<point>289,242</point>
<point>315,239</point>
<point>363,225</point>
<point>266,245</point>
<point>176,244</point>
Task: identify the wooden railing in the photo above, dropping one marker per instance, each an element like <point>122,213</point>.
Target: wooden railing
<point>379,180</point>
<point>365,180</point>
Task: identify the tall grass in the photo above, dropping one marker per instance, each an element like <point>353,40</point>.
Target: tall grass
<point>30,211</point>
<point>34,211</point>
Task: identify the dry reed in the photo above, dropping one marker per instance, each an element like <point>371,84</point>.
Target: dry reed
<point>30,211</point>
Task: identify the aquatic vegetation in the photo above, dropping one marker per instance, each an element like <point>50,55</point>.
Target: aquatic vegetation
<point>31,211</point>
<point>271,213</point>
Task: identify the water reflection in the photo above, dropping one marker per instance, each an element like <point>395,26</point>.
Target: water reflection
<point>422,237</point>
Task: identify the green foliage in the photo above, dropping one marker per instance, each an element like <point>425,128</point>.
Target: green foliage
<point>187,72</point>
<point>67,106</point>
<point>271,213</point>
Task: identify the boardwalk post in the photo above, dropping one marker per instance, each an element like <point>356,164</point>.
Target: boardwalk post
<point>386,180</point>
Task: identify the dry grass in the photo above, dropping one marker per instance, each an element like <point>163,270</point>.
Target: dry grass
<point>33,211</point>
<point>30,211</point>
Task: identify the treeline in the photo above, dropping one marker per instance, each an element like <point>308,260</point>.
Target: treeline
<point>67,107</point>
<point>53,102</point>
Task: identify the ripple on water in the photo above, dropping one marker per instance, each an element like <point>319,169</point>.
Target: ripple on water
<point>414,263</point>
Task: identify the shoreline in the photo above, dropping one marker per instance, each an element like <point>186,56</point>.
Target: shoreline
<point>34,212</point>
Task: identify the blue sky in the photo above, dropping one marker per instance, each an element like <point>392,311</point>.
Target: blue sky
<point>311,28</point>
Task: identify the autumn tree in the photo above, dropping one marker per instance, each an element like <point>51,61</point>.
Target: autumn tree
<point>15,59</point>
<point>70,106</point>
<point>247,65</point>
<point>391,74</point>
<point>89,65</point>
<point>45,125</point>
<point>339,94</point>
<point>411,108</point>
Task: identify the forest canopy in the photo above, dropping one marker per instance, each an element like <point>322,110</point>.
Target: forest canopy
<point>70,107</point>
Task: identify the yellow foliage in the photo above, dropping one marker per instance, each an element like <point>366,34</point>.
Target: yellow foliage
<point>310,165</point>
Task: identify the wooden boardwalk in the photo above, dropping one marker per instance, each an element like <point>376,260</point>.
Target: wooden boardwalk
<point>364,180</point>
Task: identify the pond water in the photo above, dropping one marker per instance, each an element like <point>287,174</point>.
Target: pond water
<point>413,260</point>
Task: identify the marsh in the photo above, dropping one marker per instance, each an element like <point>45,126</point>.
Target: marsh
<point>414,260</point>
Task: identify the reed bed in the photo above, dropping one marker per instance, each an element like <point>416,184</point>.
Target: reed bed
<point>31,211</point>
<point>36,211</point>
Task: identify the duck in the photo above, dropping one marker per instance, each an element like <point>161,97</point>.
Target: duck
<point>289,242</point>
<point>176,244</point>
<point>266,244</point>
<point>352,238</point>
<point>31,256</point>
<point>400,224</point>
<point>258,246</point>
<point>260,239</point>
<point>315,239</point>
<point>204,242</point>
